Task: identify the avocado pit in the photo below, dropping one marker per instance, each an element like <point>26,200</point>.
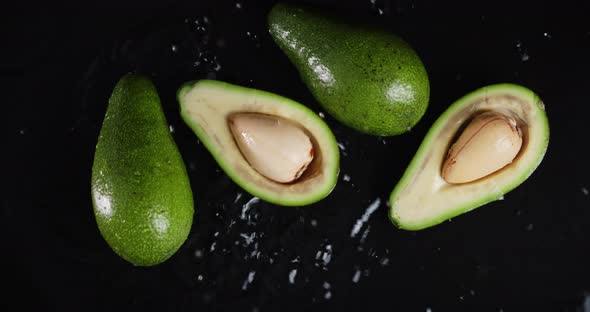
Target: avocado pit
<point>489,142</point>
<point>277,148</point>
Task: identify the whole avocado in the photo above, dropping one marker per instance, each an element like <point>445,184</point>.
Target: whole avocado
<point>141,193</point>
<point>366,78</point>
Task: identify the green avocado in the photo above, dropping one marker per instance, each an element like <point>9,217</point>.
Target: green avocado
<point>423,198</point>
<point>207,107</point>
<point>141,193</point>
<point>366,78</point>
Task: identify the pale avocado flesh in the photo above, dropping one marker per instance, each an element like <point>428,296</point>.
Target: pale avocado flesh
<point>366,78</point>
<point>206,107</point>
<point>141,193</point>
<point>422,198</point>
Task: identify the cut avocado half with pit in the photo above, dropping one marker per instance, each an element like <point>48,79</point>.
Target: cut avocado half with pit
<point>218,113</point>
<point>424,196</point>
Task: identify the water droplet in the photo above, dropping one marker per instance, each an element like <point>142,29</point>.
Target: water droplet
<point>357,276</point>
<point>586,303</point>
<point>21,131</point>
<point>248,280</point>
<point>246,207</point>
<point>522,51</point>
<point>384,261</point>
<point>529,227</point>
<point>249,239</point>
<point>499,198</point>
<point>346,178</point>
<point>365,217</point>
<point>174,48</point>
<point>213,246</point>
<point>472,292</point>
<point>328,295</point>
<point>585,191</point>
<point>380,11</point>
<point>428,310</point>
<point>321,115</point>
<point>313,222</point>
<point>171,128</point>
<point>326,285</point>
<point>327,257</point>
<point>238,196</point>
<point>292,275</point>
<point>547,35</point>
<point>238,5</point>
<point>198,254</point>
<point>200,277</point>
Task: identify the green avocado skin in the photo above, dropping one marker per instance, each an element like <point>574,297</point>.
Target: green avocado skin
<point>141,193</point>
<point>366,78</point>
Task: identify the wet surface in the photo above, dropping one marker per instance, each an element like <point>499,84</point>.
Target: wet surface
<point>527,251</point>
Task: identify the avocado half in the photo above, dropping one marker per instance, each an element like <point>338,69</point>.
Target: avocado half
<point>422,198</point>
<point>206,106</point>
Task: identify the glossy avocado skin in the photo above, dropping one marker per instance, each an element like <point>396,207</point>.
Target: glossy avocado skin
<point>368,79</point>
<point>141,193</point>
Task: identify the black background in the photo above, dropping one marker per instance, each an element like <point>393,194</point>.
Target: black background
<point>59,63</point>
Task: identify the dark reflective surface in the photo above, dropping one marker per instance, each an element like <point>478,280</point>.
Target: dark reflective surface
<point>528,251</point>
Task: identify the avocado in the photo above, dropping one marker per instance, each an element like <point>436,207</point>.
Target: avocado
<point>480,130</point>
<point>366,78</point>
<point>211,109</point>
<point>141,193</point>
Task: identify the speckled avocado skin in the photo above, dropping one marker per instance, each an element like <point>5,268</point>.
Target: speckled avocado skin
<point>141,193</point>
<point>368,79</point>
